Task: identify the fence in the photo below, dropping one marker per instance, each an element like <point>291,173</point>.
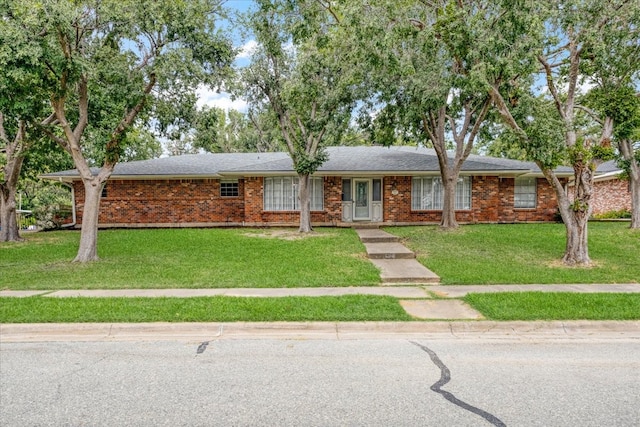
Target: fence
<point>26,220</point>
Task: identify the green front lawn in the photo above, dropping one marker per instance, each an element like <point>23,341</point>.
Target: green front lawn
<point>214,258</point>
<point>556,306</point>
<point>205,309</point>
<point>189,258</point>
<point>523,253</point>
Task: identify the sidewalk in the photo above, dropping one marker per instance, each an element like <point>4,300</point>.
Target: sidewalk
<point>422,291</point>
<point>427,302</point>
<point>448,317</point>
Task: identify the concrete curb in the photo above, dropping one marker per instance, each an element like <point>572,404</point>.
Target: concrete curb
<point>200,332</point>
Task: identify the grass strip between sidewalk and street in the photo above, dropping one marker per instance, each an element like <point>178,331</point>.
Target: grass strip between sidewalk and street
<point>556,306</point>
<point>201,309</point>
<point>499,306</point>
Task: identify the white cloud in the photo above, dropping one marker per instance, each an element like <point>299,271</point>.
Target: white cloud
<point>247,49</point>
<point>223,99</point>
<point>220,100</point>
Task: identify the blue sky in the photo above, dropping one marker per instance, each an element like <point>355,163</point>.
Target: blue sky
<point>223,100</point>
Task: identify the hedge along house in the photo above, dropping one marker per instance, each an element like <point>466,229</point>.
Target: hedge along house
<point>378,185</point>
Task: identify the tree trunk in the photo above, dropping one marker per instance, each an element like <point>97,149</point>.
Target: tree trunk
<point>577,249</point>
<point>448,220</point>
<point>576,215</point>
<point>88,250</point>
<point>304,196</point>
<point>9,230</point>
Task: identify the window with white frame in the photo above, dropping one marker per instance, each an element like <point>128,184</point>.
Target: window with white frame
<point>525,193</point>
<point>281,194</point>
<point>427,193</point>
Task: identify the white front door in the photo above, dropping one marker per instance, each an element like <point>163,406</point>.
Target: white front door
<point>362,199</point>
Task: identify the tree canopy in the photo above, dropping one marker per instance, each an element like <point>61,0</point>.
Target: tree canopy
<point>103,65</point>
<point>555,82</point>
<point>297,72</point>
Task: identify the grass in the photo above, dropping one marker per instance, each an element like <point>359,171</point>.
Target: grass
<point>189,258</point>
<point>205,309</point>
<point>523,253</point>
<point>556,306</point>
<point>501,306</point>
<point>281,258</point>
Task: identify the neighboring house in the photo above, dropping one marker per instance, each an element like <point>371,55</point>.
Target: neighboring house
<point>393,186</point>
<point>610,192</point>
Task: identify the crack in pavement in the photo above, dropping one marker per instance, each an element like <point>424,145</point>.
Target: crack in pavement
<point>202,347</point>
<point>445,377</point>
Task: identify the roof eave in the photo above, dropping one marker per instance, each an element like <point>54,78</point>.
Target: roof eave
<point>71,178</point>
<point>356,173</point>
<point>607,176</point>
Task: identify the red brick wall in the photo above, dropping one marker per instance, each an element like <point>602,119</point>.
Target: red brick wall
<point>165,201</point>
<point>491,201</point>
<point>611,195</point>
<point>198,201</point>
<point>254,213</point>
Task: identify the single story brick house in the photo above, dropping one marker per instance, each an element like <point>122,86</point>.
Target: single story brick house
<point>366,184</point>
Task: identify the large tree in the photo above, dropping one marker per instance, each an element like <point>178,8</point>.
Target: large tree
<point>428,66</point>
<point>297,72</point>
<point>11,159</point>
<point>232,131</point>
<point>216,130</point>
<point>22,106</point>
<point>104,63</point>
<point>570,56</point>
<point>626,118</point>
<point>612,64</point>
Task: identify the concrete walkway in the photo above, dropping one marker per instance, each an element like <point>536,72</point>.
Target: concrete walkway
<point>397,264</point>
<point>418,301</point>
<point>418,292</point>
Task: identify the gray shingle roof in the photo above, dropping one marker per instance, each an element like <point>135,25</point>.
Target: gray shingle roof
<point>363,159</point>
<point>607,167</point>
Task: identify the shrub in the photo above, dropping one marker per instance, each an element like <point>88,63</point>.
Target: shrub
<point>621,214</point>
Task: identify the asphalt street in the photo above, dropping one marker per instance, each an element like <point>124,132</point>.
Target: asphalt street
<point>322,382</point>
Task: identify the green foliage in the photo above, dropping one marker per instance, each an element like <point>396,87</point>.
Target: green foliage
<point>220,131</point>
<point>140,144</point>
<point>621,214</point>
<point>425,61</point>
<point>306,164</point>
<point>49,202</point>
<point>544,130</point>
<point>119,48</point>
<point>600,153</point>
<point>579,206</point>
<point>26,221</point>
<point>298,73</point>
<point>586,152</point>
<point>620,103</point>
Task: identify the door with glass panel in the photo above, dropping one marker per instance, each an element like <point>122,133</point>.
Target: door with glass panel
<point>362,199</point>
